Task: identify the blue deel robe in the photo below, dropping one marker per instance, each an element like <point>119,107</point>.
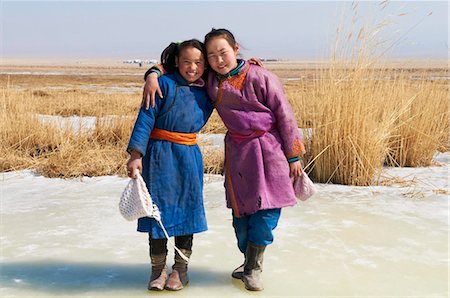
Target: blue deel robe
<point>173,172</point>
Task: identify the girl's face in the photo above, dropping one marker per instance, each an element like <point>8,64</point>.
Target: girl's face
<point>221,55</point>
<point>191,64</point>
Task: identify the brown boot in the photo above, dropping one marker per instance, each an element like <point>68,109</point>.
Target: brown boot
<point>179,277</point>
<point>253,267</point>
<point>159,273</point>
<point>238,272</point>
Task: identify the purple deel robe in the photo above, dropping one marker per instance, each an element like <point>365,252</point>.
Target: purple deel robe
<point>262,135</point>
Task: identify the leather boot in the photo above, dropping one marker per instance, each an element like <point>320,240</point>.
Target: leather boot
<point>159,273</point>
<point>179,277</point>
<point>253,267</point>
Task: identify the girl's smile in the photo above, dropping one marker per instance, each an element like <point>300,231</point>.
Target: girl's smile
<point>221,56</point>
<point>191,64</point>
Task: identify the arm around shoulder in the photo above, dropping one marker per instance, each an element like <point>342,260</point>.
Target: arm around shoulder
<point>152,86</point>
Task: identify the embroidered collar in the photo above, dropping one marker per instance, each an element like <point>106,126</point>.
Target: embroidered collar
<point>233,72</point>
<point>180,80</point>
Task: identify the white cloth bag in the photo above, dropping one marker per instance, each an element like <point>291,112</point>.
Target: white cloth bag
<point>304,188</point>
<point>136,202</point>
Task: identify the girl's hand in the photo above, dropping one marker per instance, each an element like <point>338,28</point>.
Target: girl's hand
<point>134,164</point>
<point>150,88</point>
<point>256,61</point>
<point>295,169</point>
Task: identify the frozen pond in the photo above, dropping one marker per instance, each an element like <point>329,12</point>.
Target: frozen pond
<point>67,238</point>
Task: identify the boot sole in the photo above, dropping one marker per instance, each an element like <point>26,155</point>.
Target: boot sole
<point>254,289</point>
<point>171,289</point>
<point>155,289</point>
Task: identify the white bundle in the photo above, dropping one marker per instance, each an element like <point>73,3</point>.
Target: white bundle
<point>304,188</point>
<point>136,202</point>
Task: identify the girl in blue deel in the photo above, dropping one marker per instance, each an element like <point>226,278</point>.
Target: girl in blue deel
<point>163,147</point>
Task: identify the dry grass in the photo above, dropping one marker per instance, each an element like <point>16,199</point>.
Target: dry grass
<point>82,103</point>
<point>357,122</point>
<point>350,133</point>
<point>67,152</point>
<point>422,126</point>
<point>213,161</point>
<point>26,142</point>
<point>398,181</point>
<point>441,191</point>
<point>214,124</point>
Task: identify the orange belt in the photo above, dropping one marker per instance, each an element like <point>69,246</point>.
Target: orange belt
<point>174,137</point>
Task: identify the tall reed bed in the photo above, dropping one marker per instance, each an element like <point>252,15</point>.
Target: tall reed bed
<point>350,130</point>
<point>364,115</point>
<point>422,126</point>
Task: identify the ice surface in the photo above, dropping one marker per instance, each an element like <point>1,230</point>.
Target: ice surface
<point>67,238</point>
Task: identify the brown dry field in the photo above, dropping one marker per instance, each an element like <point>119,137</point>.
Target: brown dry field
<point>108,73</point>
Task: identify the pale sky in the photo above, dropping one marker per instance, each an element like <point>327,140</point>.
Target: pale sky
<point>270,29</point>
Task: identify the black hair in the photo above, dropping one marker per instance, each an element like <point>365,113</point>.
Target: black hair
<point>173,50</point>
<point>221,33</point>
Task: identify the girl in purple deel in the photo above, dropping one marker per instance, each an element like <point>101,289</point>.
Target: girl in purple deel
<point>262,148</point>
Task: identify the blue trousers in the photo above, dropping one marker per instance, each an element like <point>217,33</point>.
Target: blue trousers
<point>256,228</point>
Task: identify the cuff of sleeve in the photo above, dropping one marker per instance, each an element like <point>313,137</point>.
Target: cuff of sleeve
<point>153,69</point>
<point>293,159</point>
<point>129,149</point>
<point>156,70</point>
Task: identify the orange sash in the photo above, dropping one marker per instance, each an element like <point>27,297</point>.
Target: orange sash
<point>174,137</point>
